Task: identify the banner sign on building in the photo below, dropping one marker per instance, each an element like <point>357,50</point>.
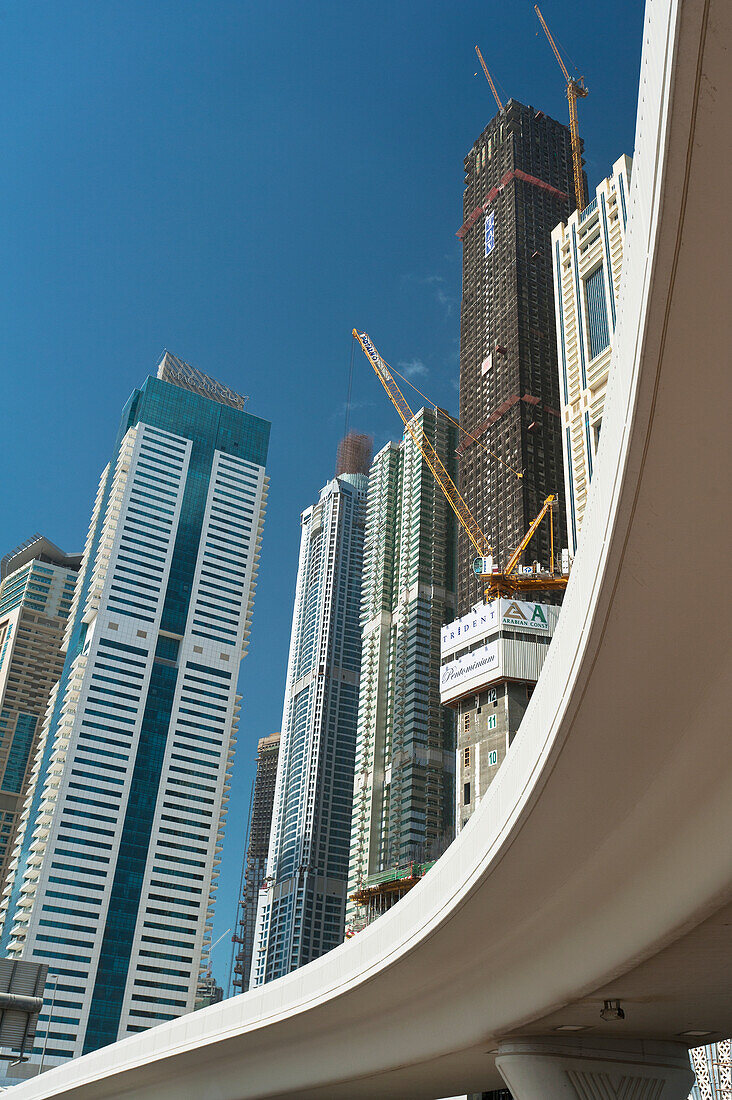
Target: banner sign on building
<point>479,622</point>
<point>478,665</point>
<point>490,236</point>
<point>486,618</point>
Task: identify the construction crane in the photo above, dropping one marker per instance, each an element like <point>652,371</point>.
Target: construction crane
<point>575,90</point>
<point>489,78</point>
<point>498,582</point>
<point>425,448</point>
<point>508,582</point>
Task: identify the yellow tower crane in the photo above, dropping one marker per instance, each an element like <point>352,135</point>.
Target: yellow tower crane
<point>489,78</point>
<point>505,582</point>
<point>575,90</point>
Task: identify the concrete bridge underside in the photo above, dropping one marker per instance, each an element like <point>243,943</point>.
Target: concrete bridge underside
<point>598,865</point>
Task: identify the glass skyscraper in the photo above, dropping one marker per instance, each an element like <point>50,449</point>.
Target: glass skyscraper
<point>113,876</point>
<point>302,906</point>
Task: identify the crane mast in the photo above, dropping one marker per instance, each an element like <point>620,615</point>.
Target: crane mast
<point>575,90</point>
<point>548,506</point>
<point>498,583</point>
<point>489,78</point>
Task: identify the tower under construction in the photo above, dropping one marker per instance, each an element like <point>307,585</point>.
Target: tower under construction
<point>260,823</point>
<point>518,186</point>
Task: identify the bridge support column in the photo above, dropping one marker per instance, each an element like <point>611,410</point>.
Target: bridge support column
<point>589,1068</point>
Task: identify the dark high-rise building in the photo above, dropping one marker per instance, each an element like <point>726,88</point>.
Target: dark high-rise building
<point>37,582</point>
<point>260,823</point>
<point>518,187</point>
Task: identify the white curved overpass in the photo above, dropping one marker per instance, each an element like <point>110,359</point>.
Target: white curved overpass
<point>598,864</point>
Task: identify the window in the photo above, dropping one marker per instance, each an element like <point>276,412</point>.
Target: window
<point>598,332</point>
<point>466,794</point>
<point>466,723</point>
<point>466,757</point>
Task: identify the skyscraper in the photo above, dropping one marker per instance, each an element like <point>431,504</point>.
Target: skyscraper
<point>403,797</point>
<point>260,824</point>
<point>114,871</point>
<point>587,253</point>
<point>518,186</point>
<point>36,589</point>
<point>301,912</point>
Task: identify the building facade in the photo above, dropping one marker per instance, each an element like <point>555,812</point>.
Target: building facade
<point>518,186</point>
<point>260,825</point>
<point>37,583</point>
<point>587,253</point>
<point>404,775</point>
<point>712,1067</point>
<point>114,870</point>
<point>491,660</point>
<point>301,909</point>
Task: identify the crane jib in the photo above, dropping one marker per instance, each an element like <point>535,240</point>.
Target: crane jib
<point>375,357</point>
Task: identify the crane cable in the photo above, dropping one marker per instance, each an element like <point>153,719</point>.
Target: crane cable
<point>518,473</point>
<point>460,428</point>
<point>350,388</point>
<point>442,412</point>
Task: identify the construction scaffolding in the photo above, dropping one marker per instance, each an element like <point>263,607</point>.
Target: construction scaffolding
<point>379,892</point>
<point>354,454</point>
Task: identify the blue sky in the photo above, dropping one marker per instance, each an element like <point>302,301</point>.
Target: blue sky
<point>242,183</point>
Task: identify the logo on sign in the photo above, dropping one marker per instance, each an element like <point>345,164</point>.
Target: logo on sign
<point>490,232</point>
<point>516,617</point>
<point>513,611</point>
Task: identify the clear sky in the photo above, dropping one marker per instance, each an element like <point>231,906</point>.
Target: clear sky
<point>242,183</point>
